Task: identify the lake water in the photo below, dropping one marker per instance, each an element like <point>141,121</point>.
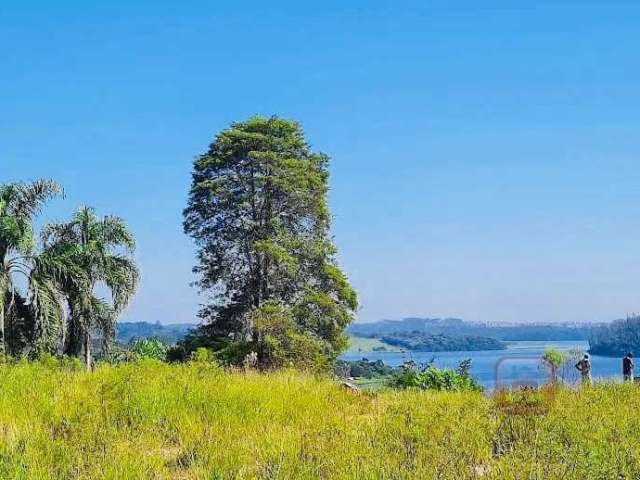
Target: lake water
<point>517,365</point>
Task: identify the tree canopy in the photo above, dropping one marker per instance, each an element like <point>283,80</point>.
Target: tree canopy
<point>258,213</point>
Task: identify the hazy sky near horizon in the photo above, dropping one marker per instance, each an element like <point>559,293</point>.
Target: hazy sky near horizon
<point>486,161</point>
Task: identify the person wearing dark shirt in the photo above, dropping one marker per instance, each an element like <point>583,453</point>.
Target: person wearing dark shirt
<point>627,367</point>
<point>584,366</point>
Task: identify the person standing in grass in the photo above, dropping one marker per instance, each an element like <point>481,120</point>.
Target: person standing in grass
<point>584,367</point>
<point>627,367</point>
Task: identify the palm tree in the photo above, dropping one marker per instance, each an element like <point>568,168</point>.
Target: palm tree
<point>102,249</point>
<point>19,204</point>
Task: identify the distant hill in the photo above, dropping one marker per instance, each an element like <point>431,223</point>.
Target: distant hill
<point>458,327</point>
<point>170,333</point>
<point>424,342</point>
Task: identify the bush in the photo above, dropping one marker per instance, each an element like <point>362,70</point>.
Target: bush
<point>202,355</point>
<point>433,378</point>
<point>118,354</point>
<point>72,364</point>
<point>363,369</point>
<point>47,360</point>
<point>224,348</point>
<point>150,348</point>
<point>553,359</point>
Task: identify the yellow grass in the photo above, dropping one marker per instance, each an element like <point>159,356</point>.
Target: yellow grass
<point>157,421</point>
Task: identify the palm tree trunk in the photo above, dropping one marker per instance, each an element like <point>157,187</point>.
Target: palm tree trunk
<point>63,337</point>
<point>74,338</point>
<point>87,350</point>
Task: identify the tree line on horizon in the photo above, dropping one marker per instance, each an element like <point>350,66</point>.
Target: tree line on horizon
<point>616,338</point>
<point>461,328</point>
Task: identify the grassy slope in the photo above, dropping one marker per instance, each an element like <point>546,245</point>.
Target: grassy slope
<point>364,345</point>
<point>154,421</point>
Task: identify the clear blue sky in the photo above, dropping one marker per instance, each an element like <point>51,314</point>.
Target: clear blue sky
<point>486,161</point>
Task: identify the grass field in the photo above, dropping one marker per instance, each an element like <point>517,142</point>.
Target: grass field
<point>156,421</point>
<point>361,344</point>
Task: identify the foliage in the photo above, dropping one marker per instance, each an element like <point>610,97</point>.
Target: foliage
<point>258,213</point>
<point>432,378</point>
<point>26,314</point>
<point>203,355</point>
<point>117,354</point>
<point>617,338</point>
<point>464,367</point>
<point>48,302</point>
<point>225,350</point>
<point>363,369</point>
<point>101,250</point>
<point>127,332</point>
<point>553,359</point>
<point>280,341</point>
<point>458,327</point>
<point>420,341</point>
<point>149,348</point>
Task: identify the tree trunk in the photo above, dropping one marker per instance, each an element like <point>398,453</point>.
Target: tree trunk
<point>63,337</point>
<point>87,350</point>
<point>74,336</point>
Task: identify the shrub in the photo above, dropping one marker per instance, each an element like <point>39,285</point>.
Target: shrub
<point>47,360</point>
<point>118,354</point>
<point>150,348</point>
<point>363,369</point>
<point>225,349</point>
<point>553,359</point>
<point>202,355</point>
<point>72,364</point>
<point>433,378</point>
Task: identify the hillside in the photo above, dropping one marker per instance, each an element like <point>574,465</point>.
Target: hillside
<point>458,327</point>
<point>365,344</point>
<point>188,422</point>
<point>170,333</point>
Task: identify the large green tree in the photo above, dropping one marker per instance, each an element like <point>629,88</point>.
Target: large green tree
<point>100,248</point>
<point>259,215</point>
<point>31,304</point>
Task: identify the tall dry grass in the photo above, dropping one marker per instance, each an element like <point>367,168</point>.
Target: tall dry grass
<point>155,421</point>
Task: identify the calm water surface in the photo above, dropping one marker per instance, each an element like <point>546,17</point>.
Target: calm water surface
<point>518,364</point>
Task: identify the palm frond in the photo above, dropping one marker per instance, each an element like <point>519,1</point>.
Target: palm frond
<point>90,251</point>
<point>115,233</point>
<point>47,302</point>
<point>26,199</point>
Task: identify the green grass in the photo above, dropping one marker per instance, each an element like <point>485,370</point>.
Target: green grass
<point>364,345</point>
<point>156,421</point>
